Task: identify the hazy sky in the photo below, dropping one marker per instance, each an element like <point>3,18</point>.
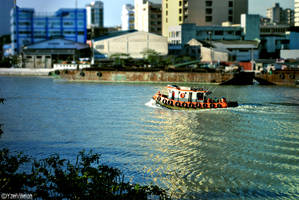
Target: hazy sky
<point>112,8</point>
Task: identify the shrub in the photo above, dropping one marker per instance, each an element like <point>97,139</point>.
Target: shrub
<point>58,178</point>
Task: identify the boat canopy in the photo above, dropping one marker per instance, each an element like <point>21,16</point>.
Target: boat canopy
<point>188,89</point>
<point>188,94</point>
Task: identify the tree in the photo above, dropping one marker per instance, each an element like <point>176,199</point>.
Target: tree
<point>118,59</point>
<point>151,56</point>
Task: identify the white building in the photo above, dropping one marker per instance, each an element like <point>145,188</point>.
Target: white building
<point>127,17</point>
<point>95,14</point>
<point>6,6</point>
<point>133,43</point>
<point>296,12</point>
<point>148,16</point>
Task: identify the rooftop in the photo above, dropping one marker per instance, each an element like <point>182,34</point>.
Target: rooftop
<point>114,34</point>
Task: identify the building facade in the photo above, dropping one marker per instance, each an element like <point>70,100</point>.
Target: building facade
<point>148,16</point>
<point>95,14</point>
<point>127,17</point>
<point>46,53</point>
<point>251,26</point>
<point>182,34</point>
<point>133,43</point>
<point>6,6</point>
<point>201,12</point>
<point>296,13</point>
<point>28,28</point>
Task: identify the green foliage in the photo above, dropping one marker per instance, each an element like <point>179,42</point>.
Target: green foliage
<point>151,56</point>
<point>119,59</point>
<point>58,178</point>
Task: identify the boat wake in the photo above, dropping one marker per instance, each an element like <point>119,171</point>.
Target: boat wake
<point>152,103</point>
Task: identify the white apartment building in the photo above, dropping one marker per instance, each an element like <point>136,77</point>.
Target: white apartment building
<point>296,12</point>
<point>127,17</point>
<point>148,16</point>
<point>95,14</point>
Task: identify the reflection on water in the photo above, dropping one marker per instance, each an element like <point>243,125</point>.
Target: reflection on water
<point>250,152</point>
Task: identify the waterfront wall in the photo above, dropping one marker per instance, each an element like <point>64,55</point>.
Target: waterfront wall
<point>160,76</point>
<point>24,72</point>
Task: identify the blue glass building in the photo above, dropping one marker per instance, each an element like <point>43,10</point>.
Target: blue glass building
<point>29,28</point>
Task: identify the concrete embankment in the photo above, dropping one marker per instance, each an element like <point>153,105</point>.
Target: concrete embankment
<point>159,76</point>
<point>24,72</point>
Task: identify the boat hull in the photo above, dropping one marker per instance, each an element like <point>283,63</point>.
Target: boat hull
<point>181,105</point>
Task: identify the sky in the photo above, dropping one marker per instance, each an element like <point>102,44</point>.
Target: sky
<point>112,8</point>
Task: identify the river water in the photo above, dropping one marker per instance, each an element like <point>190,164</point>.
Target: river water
<point>249,152</point>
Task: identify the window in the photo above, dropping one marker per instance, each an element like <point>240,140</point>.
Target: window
<point>230,4</point>
<point>218,32</point>
<point>38,57</point>
<point>230,12</point>
<point>230,18</point>
<point>209,18</point>
<point>180,3</point>
<point>100,46</point>
<point>68,23</point>
<point>209,11</point>
<point>209,3</point>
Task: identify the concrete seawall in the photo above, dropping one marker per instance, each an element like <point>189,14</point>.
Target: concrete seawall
<point>24,72</point>
<point>160,76</point>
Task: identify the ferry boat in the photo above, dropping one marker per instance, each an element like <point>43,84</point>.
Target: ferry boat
<point>190,98</point>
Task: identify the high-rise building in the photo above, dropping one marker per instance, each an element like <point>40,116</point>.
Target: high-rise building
<point>127,17</point>
<point>275,13</point>
<point>288,16</point>
<point>95,14</point>
<point>148,16</point>
<point>201,12</point>
<point>296,13</point>
<point>28,28</point>
<point>6,6</point>
<point>278,15</point>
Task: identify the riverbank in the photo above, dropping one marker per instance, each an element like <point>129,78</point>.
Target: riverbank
<point>24,72</point>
